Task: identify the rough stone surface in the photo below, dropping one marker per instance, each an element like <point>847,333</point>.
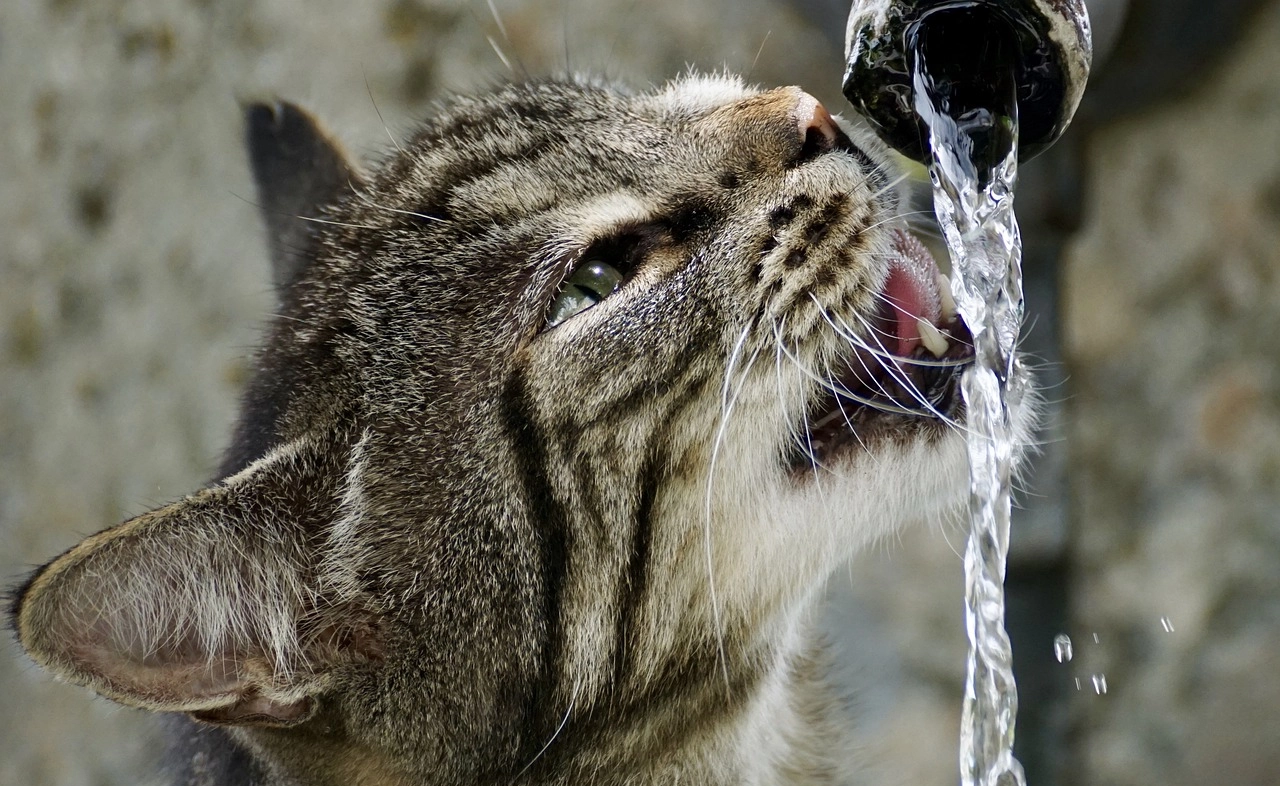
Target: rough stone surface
<point>1172,300</point>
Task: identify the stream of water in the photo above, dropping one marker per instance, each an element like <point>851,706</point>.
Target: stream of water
<point>973,172</point>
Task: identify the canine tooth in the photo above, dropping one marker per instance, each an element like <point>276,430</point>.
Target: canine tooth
<point>945,297</point>
<point>933,339</point>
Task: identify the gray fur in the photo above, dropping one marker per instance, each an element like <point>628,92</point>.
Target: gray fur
<point>452,546</point>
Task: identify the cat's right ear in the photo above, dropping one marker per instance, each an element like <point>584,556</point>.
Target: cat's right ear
<point>298,169</point>
<point>215,605</point>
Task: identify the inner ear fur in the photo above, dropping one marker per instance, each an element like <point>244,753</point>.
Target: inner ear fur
<point>209,605</point>
<point>298,169</point>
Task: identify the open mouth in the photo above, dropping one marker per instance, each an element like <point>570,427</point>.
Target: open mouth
<point>904,370</point>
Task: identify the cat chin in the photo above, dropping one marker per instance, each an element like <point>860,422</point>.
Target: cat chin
<point>808,522</point>
<point>916,472</point>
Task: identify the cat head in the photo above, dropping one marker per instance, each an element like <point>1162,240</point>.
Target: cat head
<point>572,400</point>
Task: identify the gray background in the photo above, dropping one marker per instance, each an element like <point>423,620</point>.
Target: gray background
<point>133,279</point>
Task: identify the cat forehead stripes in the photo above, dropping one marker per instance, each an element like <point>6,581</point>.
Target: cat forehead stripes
<point>532,146</point>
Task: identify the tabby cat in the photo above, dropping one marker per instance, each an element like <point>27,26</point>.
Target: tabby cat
<point>571,406</point>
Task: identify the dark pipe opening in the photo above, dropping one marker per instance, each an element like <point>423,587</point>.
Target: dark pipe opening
<point>968,42</point>
<point>964,62</point>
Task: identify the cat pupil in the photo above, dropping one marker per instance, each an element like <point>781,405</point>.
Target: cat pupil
<point>589,284</point>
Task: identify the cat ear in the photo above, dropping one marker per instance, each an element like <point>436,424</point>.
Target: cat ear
<point>298,169</point>
<point>206,606</point>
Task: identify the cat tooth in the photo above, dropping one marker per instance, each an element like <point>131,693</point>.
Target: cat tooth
<point>946,299</point>
<point>933,339</point>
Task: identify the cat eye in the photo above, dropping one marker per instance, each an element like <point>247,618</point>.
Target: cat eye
<point>587,285</point>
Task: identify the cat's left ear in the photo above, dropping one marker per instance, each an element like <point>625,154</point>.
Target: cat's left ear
<point>298,169</point>
<point>214,605</point>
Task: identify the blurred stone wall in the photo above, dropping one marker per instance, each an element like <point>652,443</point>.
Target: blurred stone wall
<point>1172,301</point>
<point>133,279</point>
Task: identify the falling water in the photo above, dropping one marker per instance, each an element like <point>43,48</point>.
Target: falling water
<point>1062,649</point>
<point>973,171</point>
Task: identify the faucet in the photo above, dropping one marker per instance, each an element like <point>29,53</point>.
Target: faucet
<point>979,54</point>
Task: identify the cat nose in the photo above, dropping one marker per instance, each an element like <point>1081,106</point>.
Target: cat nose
<point>818,129</point>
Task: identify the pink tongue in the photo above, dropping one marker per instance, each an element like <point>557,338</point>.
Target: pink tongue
<point>912,292</point>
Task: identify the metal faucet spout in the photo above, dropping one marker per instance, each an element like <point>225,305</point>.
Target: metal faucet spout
<point>1043,46</point>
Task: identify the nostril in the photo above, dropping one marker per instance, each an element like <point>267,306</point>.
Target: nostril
<point>818,130</point>
<point>815,144</point>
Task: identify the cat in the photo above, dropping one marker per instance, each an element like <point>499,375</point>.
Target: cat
<point>571,406</point>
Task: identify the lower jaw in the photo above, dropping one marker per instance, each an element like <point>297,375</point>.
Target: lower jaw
<point>870,432</point>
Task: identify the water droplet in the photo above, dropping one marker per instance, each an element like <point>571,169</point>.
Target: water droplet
<point>1099,684</point>
<point>1008,778</point>
<point>1062,647</point>
<point>1096,640</point>
<point>1077,683</point>
<point>1167,624</point>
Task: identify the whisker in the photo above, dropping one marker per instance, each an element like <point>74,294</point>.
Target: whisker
<point>756,60</point>
<point>573,698</point>
<point>497,50</point>
<point>888,301</point>
<point>727,403</point>
<point>276,315</point>
<point>889,362</point>
<point>926,229</point>
<point>841,391</point>
<point>882,406</point>
<point>947,540</point>
<point>399,211</point>
<point>890,366</point>
<point>909,214</point>
<point>793,433</point>
<point>497,19</point>
<point>880,353</point>
<point>338,223</point>
<point>897,373</point>
<point>517,69</point>
<point>849,423</point>
<point>898,218</point>
<point>368,89</point>
<point>805,426</point>
<point>564,36</point>
<point>891,185</point>
<point>502,28</point>
<point>306,218</point>
<point>846,333</point>
<point>883,362</point>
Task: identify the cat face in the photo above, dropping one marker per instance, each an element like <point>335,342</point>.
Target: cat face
<point>573,402</point>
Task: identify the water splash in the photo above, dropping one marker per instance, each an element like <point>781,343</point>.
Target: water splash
<point>1062,649</point>
<point>973,171</point>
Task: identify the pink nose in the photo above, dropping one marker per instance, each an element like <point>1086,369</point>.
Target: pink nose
<point>817,127</point>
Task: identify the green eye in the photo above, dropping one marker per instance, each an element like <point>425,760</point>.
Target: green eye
<point>587,285</point>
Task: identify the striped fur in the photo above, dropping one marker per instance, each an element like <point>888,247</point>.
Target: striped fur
<point>456,547</point>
